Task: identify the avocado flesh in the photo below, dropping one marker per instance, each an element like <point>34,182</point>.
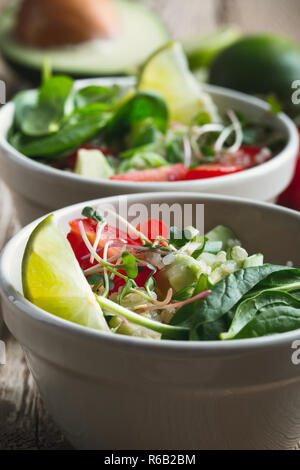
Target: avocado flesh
<point>143,32</point>
<point>183,272</point>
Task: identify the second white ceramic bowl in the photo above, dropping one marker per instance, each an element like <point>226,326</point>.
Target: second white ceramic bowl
<point>112,392</point>
<point>38,189</point>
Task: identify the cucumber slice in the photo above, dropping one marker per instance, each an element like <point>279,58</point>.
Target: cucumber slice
<point>223,234</point>
<point>213,247</point>
<point>254,261</point>
<point>93,164</point>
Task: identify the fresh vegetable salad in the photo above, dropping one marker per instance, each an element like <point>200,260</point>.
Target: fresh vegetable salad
<point>165,129</point>
<point>158,282</point>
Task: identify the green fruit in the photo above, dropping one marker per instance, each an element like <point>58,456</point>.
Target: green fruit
<point>53,280</point>
<point>260,65</point>
<point>142,33</point>
<point>167,73</point>
<point>93,164</point>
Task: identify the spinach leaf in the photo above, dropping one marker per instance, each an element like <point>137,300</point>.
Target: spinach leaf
<point>141,106</point>
<point>250,308</point>
<point>23,101</point>
<point>212,331</point>
<point>81,125</point>
<point>274,320</point>
<point>175,150</point>
<point>96,94</point>
<point>287,281</point>
<point>227,293</point>
<point>44,115</point>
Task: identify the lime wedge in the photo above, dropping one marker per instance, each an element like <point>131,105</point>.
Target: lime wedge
<point>52,278</point>
<point>167,73</point>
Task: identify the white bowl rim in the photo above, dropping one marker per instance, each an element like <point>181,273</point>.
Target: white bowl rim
<point>42,169</point>
<point>163,346</point>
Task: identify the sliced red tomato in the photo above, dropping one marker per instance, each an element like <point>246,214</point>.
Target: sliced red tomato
<point>80,250</point>
<point>162,174</point>
<point>153,228</point>
<point>90,226</point>
<point>212,170</point>
<point>140,279</point>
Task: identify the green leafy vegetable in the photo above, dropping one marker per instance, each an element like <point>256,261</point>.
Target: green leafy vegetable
<point>92,214</point>
<point>275,106</point>
<point>96,94</point>
<point>129,265</point>
<point>227,293</point>
<point>249,313</point>
<point>138,108</point>
<point>80,126</point>
<point>42,113</point>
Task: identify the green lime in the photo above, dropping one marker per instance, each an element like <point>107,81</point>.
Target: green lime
<point>52,278</point>
<point>167,73</point>
<point>261,65</point>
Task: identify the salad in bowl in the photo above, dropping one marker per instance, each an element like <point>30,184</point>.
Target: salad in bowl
<point>157,282</point>
<point>165,128</point>
<point>161,326</point>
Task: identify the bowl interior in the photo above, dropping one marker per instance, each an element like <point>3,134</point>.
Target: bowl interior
<point>264,228</point>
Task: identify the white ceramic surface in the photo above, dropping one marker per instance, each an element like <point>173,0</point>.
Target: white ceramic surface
<point>112,392</point>
<point>38,189</point>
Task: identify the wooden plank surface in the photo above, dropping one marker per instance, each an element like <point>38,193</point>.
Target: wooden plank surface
<point>24,423</point>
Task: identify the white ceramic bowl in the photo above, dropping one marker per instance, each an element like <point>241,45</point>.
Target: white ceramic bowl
<point>38,189</point>
<point>112,392</point>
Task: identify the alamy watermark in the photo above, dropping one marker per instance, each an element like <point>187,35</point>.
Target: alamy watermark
<point>174,214</point>
<point>296,353</point>
<point>296,93</point>
<point>2,92</point>
<point>2,353</point>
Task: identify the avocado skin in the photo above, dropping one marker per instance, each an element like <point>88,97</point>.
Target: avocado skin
<point>33,76</point>
<point>260,65</point>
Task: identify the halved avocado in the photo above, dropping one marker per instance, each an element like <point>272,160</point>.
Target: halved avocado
<point>142,33</point>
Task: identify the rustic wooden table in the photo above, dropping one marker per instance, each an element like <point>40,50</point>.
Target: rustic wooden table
<point>24,422</point>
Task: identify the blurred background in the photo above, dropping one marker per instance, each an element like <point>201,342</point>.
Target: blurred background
<point>196,16</point>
